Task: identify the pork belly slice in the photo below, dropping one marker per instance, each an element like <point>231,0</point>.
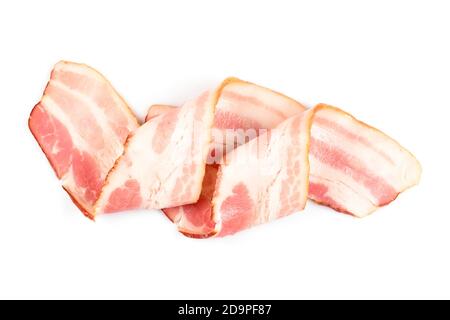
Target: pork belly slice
<point>164,160</point>
<point>242,109</point>
<point>264,179</point>
<point>356,168</point>
<point>260,181</point>
<point>81,124</point>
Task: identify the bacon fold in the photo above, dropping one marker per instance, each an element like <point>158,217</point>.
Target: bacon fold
<point>354,168</point>
<point>164,160</point>
<point>234,157</point>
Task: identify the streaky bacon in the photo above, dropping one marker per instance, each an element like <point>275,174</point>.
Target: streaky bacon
<point>356,168</point>
<point>234,157</point>
<point>81,124</point>
<point>195,220</point>
<point>264,179</point>
<point>242,106</point>
<point>164,160</point>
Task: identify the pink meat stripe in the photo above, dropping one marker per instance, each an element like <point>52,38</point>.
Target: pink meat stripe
<point>81,124</point>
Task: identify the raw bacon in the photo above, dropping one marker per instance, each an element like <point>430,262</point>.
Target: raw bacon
<point>243,111</point>
<point>232,158</point>
<point>81,124</point>
<point>356,168</point>
<point>148,175</point>
<point>156,110</point>
<point>195,220</point>
<point>264,179</point>
<point>164,160</point>
<point>245,105</point>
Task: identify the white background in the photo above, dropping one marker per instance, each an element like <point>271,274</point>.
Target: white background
<point>386,62</point>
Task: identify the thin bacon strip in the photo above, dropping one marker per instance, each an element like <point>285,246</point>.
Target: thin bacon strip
<point>164,160</point>
<point>156,110</point>
<point>207,181</point>
<point>243,109</point>
<point>81,124</point>
<point>356,168</point>
<point>264,179</point>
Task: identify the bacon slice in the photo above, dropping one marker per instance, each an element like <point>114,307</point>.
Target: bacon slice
<point>81,124</point>
<point>235,157</point>
<point>243,108</point>
<point>245,105</point>
<point>195,220</point>
<point>264,179</point>
<point>356,168</point>
<point>148,175</point>
<point>164,160</point>
<point>243,111</point>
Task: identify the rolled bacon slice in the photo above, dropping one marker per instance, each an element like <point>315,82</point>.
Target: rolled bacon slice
<point>81,124</point>
<point>264,179</point>
<point>164,161</point>
<point>355,169</point>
